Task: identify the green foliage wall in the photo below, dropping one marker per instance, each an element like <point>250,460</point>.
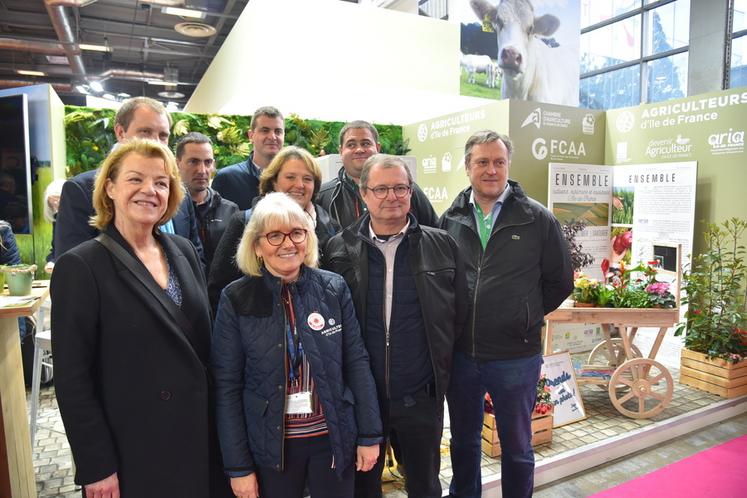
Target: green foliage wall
<point>90,135</point>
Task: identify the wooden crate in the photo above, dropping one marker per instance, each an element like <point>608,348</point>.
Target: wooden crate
<point>541,433</point>
<point>715,376</point>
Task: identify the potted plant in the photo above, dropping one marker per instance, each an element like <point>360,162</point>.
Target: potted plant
<point>585,291</point>
<point>716,314</point>
<point>19,278</point>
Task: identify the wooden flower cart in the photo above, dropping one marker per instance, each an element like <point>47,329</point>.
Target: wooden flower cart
<point>638,386</point>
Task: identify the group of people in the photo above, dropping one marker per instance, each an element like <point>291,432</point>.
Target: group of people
<point>267,333</point>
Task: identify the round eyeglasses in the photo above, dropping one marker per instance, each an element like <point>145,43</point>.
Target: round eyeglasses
<point>276,238</point>
<point>381,191</point>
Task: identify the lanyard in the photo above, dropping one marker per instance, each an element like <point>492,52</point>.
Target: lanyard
<point>295,349</point>
<point>484,225</point>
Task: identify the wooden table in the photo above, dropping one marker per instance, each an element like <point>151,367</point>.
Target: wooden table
<point>16,467</point>
<point>639,387</point>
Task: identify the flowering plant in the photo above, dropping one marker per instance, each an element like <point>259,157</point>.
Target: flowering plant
<point>625,287</point>
<point>585,289</point>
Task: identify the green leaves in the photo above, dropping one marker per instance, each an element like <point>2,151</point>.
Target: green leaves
<point>715,289</point>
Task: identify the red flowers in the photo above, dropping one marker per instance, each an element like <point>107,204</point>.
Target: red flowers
<point>605,267</point>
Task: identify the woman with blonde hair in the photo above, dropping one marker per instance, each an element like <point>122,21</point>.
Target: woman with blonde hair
<point>131,340</point>
<point>295,397</point>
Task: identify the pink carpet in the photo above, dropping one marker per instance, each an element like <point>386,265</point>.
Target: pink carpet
<point>720,472</point>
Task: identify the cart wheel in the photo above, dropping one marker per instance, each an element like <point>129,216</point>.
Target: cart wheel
<point>599,355</point>
<point>641,388</point>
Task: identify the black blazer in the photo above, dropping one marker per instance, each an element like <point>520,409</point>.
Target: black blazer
<point>76,208</point>
<point>132,385</point>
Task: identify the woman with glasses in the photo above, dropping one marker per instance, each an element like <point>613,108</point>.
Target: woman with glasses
<point>293,171</point>
<point>295,398</point>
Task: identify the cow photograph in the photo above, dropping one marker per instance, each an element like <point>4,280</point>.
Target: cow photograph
<point>520,49</point>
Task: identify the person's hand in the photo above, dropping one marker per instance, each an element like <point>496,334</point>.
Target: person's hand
<point>105,488</point>
<point>366,457</point>
<point>245,487</point>
<point>49,267</point>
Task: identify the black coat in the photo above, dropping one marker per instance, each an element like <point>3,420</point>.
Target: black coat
<point>523,274</point>
<point>437,268</point>
<point>76,208</point>
<point>132,385</point>
<point>249,350</point>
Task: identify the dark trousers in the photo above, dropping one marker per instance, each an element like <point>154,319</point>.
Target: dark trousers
<point>512,385</point>
<point>418,421</point>
<point>306,460</point>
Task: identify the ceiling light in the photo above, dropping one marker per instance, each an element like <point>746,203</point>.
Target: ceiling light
<point>172,106</point>
<point>96,86</point>
<point>177,11</point>
<point>95,48</point>
<point>195,29</point>
<point>26,72</point>
<point>82,89</point>
<point>161,82</point>
<point>108,96</point>
<point>123,95</point>
<point>173,3</point>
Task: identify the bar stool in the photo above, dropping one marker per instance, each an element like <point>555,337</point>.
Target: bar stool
<point>42,358</point>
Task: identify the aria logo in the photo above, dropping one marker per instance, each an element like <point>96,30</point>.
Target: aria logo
<point>728,142</point>
<point>535,118</point>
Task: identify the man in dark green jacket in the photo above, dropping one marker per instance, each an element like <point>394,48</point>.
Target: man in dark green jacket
<point>518,269</point>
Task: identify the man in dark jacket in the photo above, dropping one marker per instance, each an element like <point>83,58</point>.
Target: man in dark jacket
<point>139,117</point>
<point>194,156</point>
<point>239,182</point>
<point>341,197</point>
<point>518,270</point>
<point>409,291</point>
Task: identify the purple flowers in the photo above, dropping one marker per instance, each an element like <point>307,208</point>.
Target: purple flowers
<point>658,288</point>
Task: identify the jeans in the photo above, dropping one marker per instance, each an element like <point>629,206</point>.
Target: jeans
<point>512,385</point>
<point>418,422</point>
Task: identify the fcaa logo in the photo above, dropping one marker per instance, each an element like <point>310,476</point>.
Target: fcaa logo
<point>539,148</point>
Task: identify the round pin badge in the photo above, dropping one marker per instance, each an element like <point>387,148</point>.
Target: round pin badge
<point>315,321</point>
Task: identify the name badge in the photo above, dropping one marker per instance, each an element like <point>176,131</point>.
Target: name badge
<point>298,403</point>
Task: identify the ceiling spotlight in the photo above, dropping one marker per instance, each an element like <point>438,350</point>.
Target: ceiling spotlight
<point>123,95</point>
<point>26,72</point>
<point>171,94</point>
<point>176,11</point>
<point>96,86</point>
<point>82,89</point>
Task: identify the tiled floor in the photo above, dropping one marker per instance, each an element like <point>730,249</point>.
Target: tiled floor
<point>54,469</point>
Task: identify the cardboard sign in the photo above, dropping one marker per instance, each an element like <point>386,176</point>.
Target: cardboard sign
<point>561,378</point>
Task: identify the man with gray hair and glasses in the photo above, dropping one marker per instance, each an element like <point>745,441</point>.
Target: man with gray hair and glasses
<point>409,291</point>
<point>518,270</point>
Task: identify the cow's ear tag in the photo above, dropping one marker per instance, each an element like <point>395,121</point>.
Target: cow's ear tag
<point>487,26</point>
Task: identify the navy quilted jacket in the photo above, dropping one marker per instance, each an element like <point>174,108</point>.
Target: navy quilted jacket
<point>248,365</point>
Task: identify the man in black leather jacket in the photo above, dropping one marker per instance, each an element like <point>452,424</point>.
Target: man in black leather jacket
<point>518,269</point>
<point>341,197</point>
<point>194,156</point>
<point>409,291</point>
